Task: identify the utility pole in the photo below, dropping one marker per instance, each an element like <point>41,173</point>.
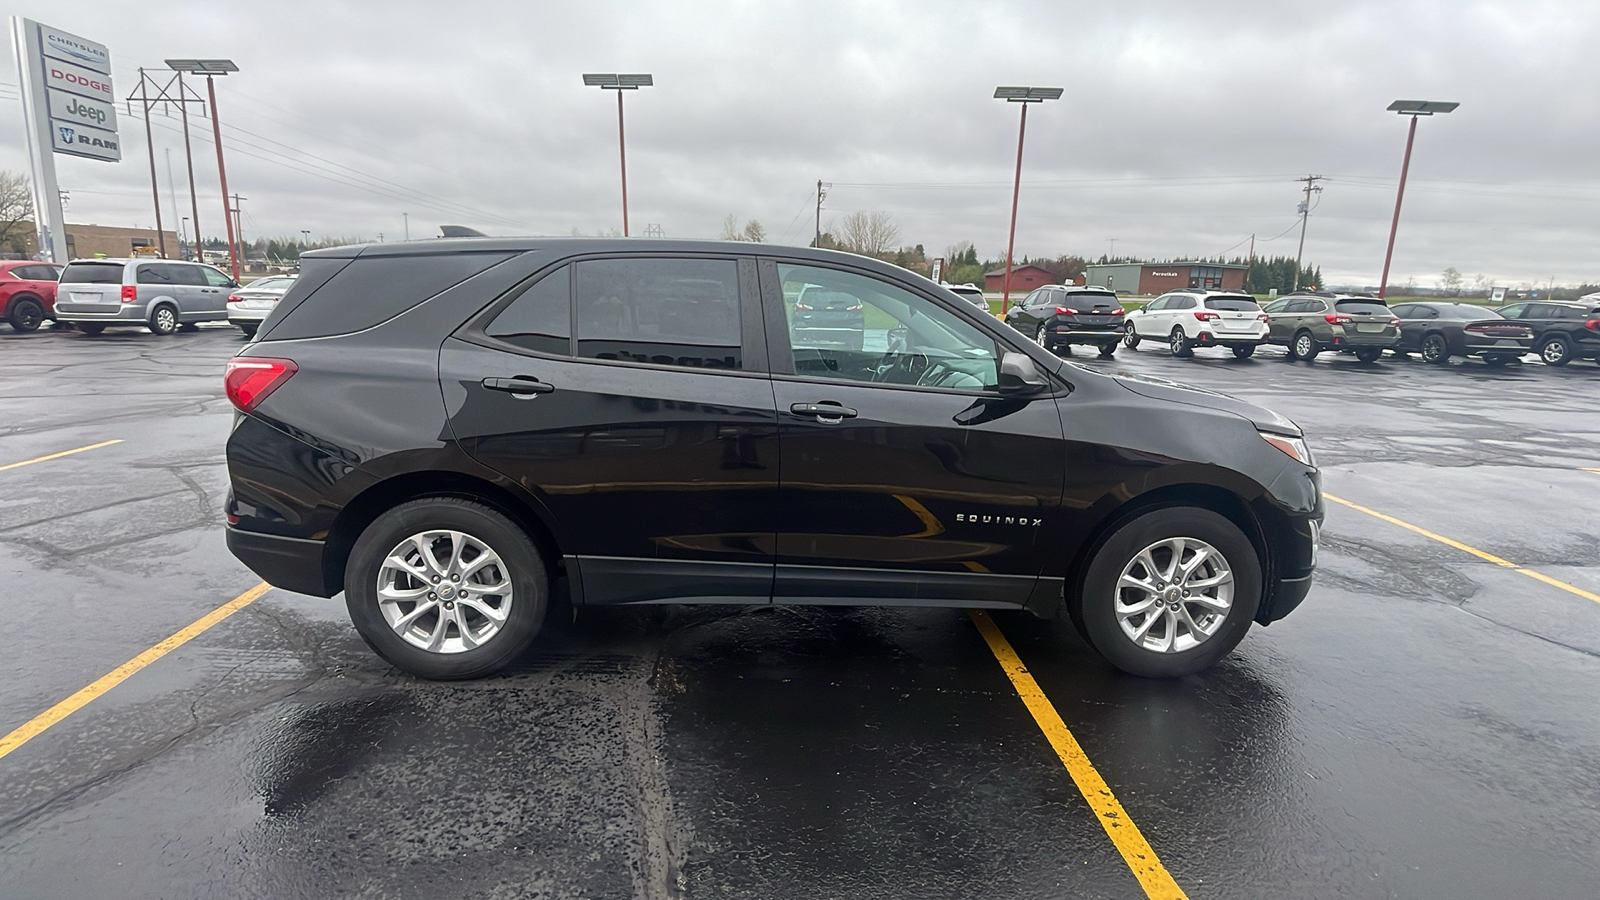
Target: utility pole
<point>238,230</point>
<point>1250,266</point>
<point>407,217</point>
<point>1305,213</point>
<point>1112,256</point>
<point>150,145</point>
<point>188,156</point>
<point>822,193</point>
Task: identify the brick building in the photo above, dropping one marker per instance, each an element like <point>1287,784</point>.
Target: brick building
<point>86,241</point>
<point>1023,278</point>
<point>1158,278</point>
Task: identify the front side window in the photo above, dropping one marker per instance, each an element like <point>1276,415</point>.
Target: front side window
<point>540,318</point>
<point>1514,311</point>
<point>669,312</point>
<point>873,331</point>
<point>212,277</point>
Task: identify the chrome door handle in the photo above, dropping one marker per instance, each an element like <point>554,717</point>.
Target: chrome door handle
<point>827,411</point>
<point>519,386</point>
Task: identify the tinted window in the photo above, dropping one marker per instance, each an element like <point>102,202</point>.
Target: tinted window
<point>891,335</point>
<point>1567,312</point>
<point>1276,306</point>
<point>1181,303</point>
<point>1086,300</point>
<point>154,273</point>
<point>1158,303</point>
<point>1514,311</point>
<point>369,291</point>
<point>1371,307</point>
<point>541,317</point>
<point>45,273</point>
<point>190,275</point>
<point>670,312</point>
<point>92,273</point>
<point>1453,311</point>
<point>270,284</point>
<point>1404,311</point>
<point>1232,304</point>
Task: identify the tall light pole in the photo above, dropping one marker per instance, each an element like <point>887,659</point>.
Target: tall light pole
<point>620,83</point>
<point>1024,96</point>
<point>1414,109</point>
<point>209,68</point>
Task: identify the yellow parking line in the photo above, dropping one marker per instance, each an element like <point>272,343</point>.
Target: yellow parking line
<point>38,724</point>
<point>1488,557</point>
<point>1136,851</point>
<point>37,459</point>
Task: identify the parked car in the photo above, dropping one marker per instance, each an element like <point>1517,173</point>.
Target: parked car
<point>27,293</point>
<point>1310,322</point>
<point>970,293</point>
<point>1058,315</point>
<point>1439,331</point>
<point>820,317</point>
<point>249,305</point>
<point>162,295</point>
<point>1199,318</point>
<point>600,413</point>
<point>1562,332</point>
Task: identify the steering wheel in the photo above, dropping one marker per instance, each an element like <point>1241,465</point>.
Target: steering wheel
<point>935,374</point>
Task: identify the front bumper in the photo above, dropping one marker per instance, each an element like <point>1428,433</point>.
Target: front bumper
<point>294,564</point>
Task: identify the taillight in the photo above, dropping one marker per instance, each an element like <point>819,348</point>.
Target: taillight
<point>802,307</point>
<point>1066,311</point>
<point>856,308</point>
<point>1338,320</point>
<point>1207,316</point>
<point>1118,311</point>
<point>235,298</point>
<point>250,379</point>
<point>1592,324</point>
<point>130,293</point>
<point>1395,321</point>
<point>1263,317</point>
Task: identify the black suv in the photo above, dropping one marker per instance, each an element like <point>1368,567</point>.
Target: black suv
<point>442,430</point>
<point>1062,315</point>
<point>1562,332</point>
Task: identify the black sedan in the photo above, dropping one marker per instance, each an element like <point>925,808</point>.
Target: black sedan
<point>1058,316</point>
<point>1439,331</point>
<point>444,431</point>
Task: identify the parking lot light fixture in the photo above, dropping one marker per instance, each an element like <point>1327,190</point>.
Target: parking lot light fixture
<point>1415,109</point>
<point>619,83</point>
<point>1024,96</point>
<point>209,68</point>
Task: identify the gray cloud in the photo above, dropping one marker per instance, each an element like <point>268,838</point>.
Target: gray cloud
<point>1181,131</point>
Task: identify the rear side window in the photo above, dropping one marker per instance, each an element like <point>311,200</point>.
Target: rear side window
<point>1232,304</point>
<point>541,318</point>
<point>154,273</point>
<point>670,312</point>
<point>370,291</point>
<point>92,273</point>
<point>1370,307</point>
<point>1181,303</point>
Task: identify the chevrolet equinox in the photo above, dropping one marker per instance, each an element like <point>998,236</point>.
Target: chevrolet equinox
<point>442,430</point>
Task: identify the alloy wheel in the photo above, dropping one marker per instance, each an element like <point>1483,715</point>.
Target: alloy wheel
<point>1433,349</point>
<point>1555,353</point>
<point>166,321</point>
<point>1303,346</point>
<point>1174,595</point>
<point>444,591</point>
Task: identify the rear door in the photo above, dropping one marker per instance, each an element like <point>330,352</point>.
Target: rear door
<point>1236,316</point>
<point>907,477</point>
<point>1367,316</point>
<point>628,396</point>
<point>90,287</point>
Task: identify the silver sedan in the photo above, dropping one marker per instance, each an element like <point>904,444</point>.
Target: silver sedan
<point>249,305</point>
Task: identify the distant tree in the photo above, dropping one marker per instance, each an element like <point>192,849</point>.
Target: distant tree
<point>730,229</point>
<point>1450,281</point>
<point>754,233</point>
<point>1480,283</point>
<point>868,233</point>
<point>16,208</point>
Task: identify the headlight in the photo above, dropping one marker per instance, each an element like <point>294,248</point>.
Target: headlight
<point>1295,447</point>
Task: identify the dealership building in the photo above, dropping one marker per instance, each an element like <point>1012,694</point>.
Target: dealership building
<point>1158,278</point>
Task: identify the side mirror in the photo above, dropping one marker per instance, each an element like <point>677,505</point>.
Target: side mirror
<point>1018,374</point>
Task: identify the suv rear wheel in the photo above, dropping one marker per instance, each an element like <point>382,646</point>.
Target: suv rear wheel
<point>1170,592</point>
<point>1556,352</point>
<point>446,588</point>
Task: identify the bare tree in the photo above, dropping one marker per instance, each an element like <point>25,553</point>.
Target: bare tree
<point>1451,280</point>
<point>730,229</point>
<point>867,233</point>
<point>16,207</point>
<point>754,232</point>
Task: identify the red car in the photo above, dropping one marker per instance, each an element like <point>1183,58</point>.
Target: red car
<point>28,292</point>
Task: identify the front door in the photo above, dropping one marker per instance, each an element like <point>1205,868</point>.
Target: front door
<point>628,396</point>
<point>214,293</point>
<point>907,477</point>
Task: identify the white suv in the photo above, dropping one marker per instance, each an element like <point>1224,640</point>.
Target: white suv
<point>1197,318</point>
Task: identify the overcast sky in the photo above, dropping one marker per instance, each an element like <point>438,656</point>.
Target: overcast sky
<point>1181,132</point>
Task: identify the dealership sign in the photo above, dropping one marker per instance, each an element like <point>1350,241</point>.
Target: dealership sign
<point>84,111</point>
<point>78,95</point>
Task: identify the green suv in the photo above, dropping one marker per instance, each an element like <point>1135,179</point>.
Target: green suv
<point>1309,322</point>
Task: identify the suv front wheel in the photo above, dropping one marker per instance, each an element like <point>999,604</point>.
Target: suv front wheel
<point>1170,592</point>
<point>446,588</point>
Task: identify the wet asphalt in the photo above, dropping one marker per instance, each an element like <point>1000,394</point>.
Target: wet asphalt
<point>1425,725</point>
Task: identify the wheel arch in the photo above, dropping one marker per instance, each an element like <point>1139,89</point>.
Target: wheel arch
<point>378,498</point>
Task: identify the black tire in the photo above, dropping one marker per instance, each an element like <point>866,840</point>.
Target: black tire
<point>1107,351</point>
<point>249,329</point>
<point>1556,352</point>
<point>1303,346</point>
<point>523,566</point>
<point>1095,606</point>
<point>1244,352</point>
<point>91,329</point>
<point>163,320</point>
<point>1435,349</point>
<point>26,314</point>
<point>1497,359</point>
<point>1130,337</point>
<point>1369,354</point>
<point>1041,336</point>
<point>1178,343</point>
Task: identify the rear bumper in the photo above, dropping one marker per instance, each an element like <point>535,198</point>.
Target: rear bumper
<point>294,564</point>
<point>1502,346</point>
<point>1210,339</point>
<point>1350,340</point>
<point>1067,334</point>
<point>131,313</point>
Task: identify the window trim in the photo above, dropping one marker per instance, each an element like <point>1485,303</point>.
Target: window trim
<point>752,343</point>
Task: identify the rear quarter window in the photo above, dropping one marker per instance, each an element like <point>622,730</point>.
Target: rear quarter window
<point>336,296</point>
<point>92,273</point>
